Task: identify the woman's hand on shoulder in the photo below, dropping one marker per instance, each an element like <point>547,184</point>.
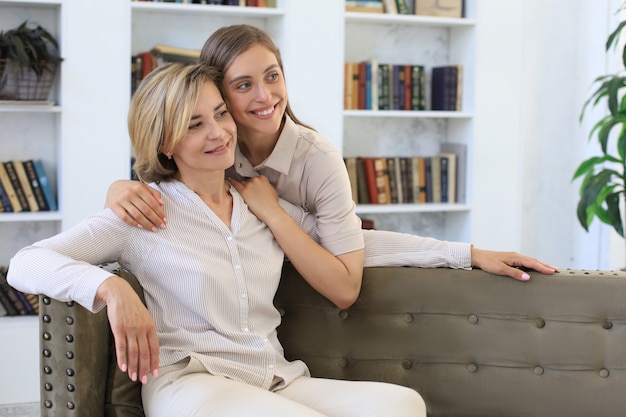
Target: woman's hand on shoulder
<point>136,204</point>
<point>260,196</point>
<point>508,263</point>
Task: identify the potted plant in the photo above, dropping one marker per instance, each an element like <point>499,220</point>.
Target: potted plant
<point>29,60</point>
<point>604,176</point>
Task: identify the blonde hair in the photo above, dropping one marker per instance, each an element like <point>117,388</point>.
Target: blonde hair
<point>159,115</point>
<point>228,42</point>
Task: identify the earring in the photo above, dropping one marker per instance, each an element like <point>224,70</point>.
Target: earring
<point>169,155</point>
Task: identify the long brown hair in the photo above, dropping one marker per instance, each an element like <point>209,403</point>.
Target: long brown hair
<point>228,42</point>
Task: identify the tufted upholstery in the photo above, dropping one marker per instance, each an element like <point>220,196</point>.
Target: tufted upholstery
<point>471,343</point>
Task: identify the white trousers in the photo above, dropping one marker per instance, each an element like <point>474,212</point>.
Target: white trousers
<point>188,390</point>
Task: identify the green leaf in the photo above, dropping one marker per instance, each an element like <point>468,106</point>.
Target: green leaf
<point>614,215</point>
<point>587,167</point>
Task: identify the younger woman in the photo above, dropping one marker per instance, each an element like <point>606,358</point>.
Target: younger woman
<point>305,168</point>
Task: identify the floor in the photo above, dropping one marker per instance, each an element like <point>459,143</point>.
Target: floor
<point>20,410</point>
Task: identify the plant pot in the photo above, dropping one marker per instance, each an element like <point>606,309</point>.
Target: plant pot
<point>24,84</point>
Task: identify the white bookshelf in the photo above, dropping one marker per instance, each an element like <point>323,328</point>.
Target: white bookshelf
<point>416,40</point>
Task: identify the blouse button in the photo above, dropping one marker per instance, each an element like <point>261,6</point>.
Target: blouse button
<point>229,238</point>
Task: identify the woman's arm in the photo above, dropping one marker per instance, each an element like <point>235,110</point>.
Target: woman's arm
<point>337,278</point>
<point>64,267</point>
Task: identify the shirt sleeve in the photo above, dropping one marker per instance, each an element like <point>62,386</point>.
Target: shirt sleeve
<point>305,220</point>
<point>383,248</point>
<point>338,227</point>
<point>64,266</point>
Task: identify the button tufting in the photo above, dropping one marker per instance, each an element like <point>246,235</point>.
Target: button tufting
<point>69,320</point>
<point>472,367</point>
<point>47,353</point>
<point>538,370</point>
<point>71,387</point>
<point>607,324</point>
<point>69,338</point>
<point>47,336</point>
<point>70,405</point>
<point>69,372</point>
<point>604,372</point>
<point>407,364</point>
<point>70,304</point>
<point>46,318</point>
<point>343,363</point>
<point>472,319</point>
<point>408,317</point>
<point>47,370</point>
<point>69,354</point>
<point>343,314</point>
<point>46,300</point>
<point>47,386</point>
<point>540,323</point>
<point>47,404</point>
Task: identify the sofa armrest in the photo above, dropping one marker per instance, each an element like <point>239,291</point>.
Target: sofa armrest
<point>79,372</point>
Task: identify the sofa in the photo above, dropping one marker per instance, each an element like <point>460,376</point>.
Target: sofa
<point>472,343</point>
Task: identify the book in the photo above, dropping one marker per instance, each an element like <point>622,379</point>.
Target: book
<point>370,179</point>
<point>363,193</point>
<point>460,150</point>
<point>26,186</point>
<point>17,187</point>
<point>384,94</point>
<point>4,198</point>
<point>162,54</point>
<point>11,293</point>
<point>419,179</point>
<point>403,7</point>
<point>394,181</point>
<point>7,303</point>
<point>29,167</point>
<point>435,179</point>
<point>382,180</point>
<point>418,98</point>
<point>45,184</point>
<point>441,8</point>
<point>9,190</point>
<point>448,177</point>
<point>364,6</point>
<point>446,86</point>
<point>406,179</point>
<point>390,6</point>
<point>352,174</point>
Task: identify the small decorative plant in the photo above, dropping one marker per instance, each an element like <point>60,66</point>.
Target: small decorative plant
<point>30,47</point>
<point>604,176</point>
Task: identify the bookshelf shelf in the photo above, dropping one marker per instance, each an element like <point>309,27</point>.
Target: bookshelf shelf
<point>397,19</point>
<point>424,114</point>
<point>50,3</point>
<point>214,10</point>
<point>410,208</point>
<point>44,216</point>
<point>23,107</point>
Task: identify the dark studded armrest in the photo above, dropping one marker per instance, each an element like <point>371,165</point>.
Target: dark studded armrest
<point>79,373</point>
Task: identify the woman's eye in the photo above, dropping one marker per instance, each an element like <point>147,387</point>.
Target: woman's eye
<point>221,114</point>
<point>243,86</point>
<point>194,126</point>
<point>273,77</point>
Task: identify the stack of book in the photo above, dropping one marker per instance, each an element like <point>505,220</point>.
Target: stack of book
<point>14,302</point>
<point>142,63</point>
<point>369,85</point>
<point>409,180</point>
<point>24,186</point>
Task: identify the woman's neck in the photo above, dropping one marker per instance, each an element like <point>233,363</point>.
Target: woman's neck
<point>258,146</point>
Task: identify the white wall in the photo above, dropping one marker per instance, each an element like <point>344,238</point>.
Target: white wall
<point>536,63</point>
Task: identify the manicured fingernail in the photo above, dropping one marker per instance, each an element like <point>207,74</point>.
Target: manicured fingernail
<point>134,376</point>
<point>140,226</point>
<point>123,367</point>
<point>525,277</point>
<point>144,380</point>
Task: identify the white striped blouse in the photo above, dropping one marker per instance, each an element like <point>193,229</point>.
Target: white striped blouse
<point>210,289</point>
